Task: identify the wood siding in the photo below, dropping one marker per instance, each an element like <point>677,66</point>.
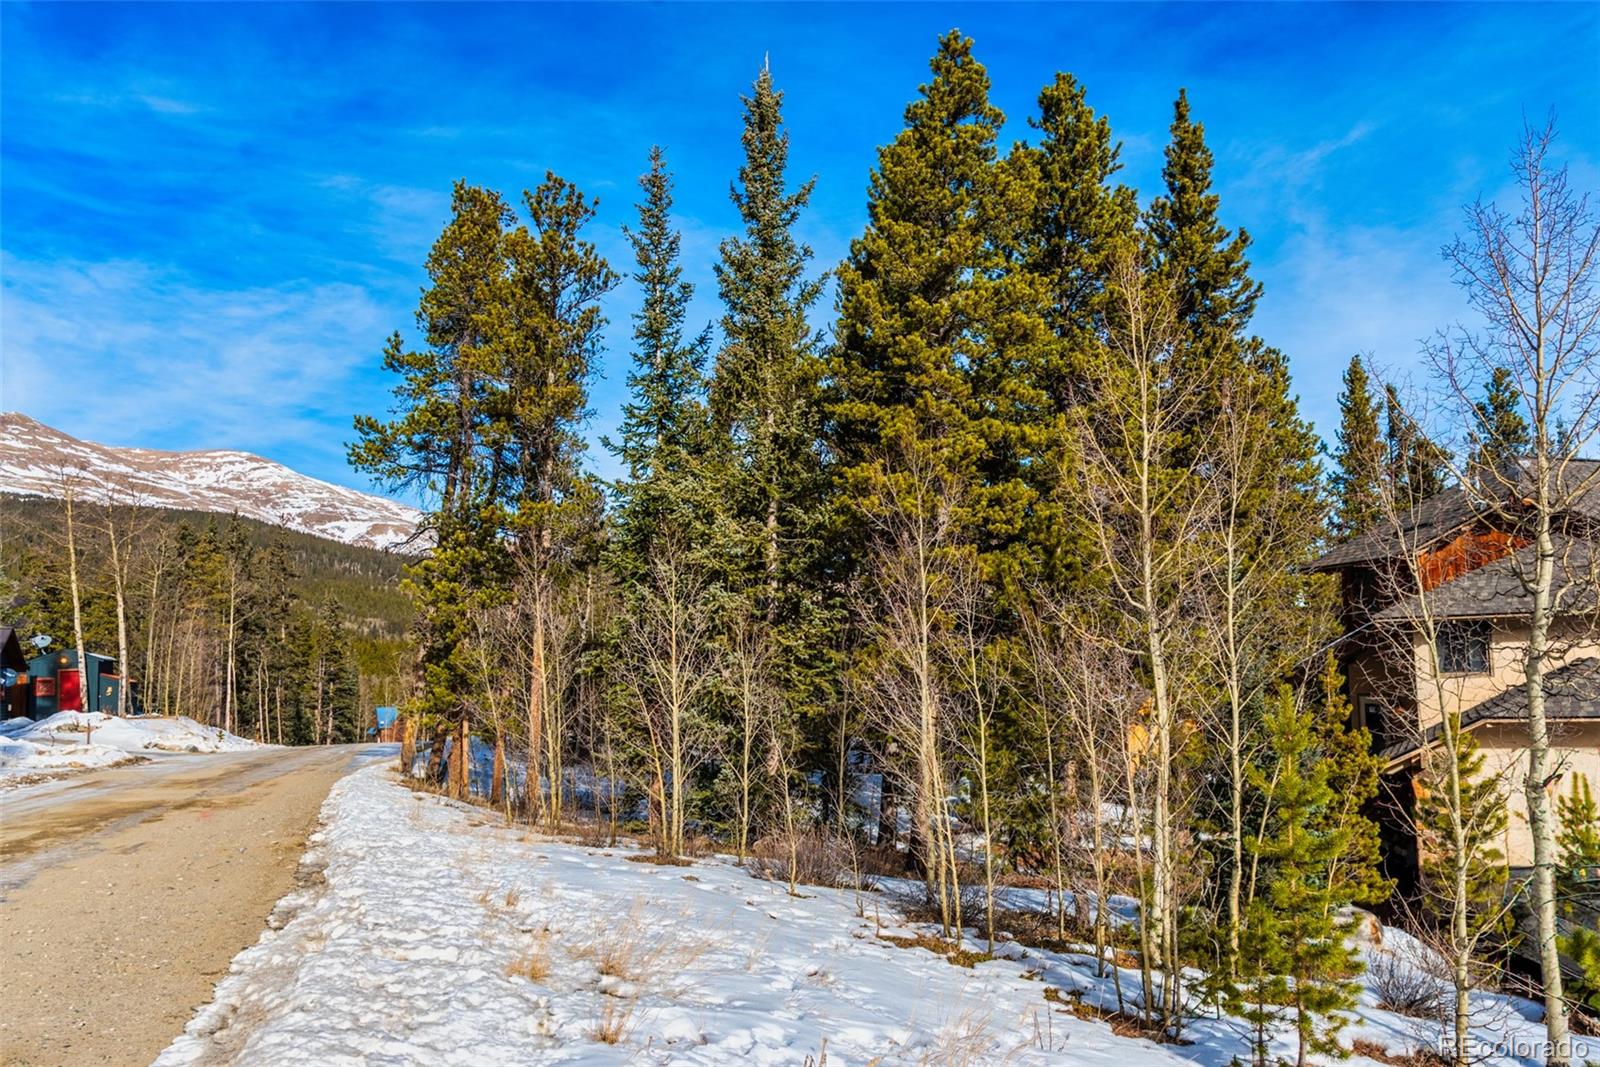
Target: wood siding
<point>1467,551</point>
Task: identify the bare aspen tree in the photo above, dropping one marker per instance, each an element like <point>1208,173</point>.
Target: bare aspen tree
<point>122,532</point>
<point>1148,514</point>
<point>745,666</point>
<point>1460,839</point>
<point>974,664</point>
<point>667,663</point>
<point>1530,276</point>
<point>69,496</point>
<point>1253,624</point>
<point>1048,722</point>
<point>905,609</point>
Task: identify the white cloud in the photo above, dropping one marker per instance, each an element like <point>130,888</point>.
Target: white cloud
<point>127,352</point>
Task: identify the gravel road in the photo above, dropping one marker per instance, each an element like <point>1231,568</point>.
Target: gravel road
<point>125,892</point>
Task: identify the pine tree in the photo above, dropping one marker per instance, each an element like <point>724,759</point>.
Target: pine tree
<point>1353,770</point>
<point>663,424</point>
<point>1460,820</point>
<point>908,293</point>
<point>1501,433</point>
<point>442,435</point>
<point>1360,457</point>
<point>553,323</point>
<point>771,496</point>
<point>764,400</point>
<point>1205,264</point>
<point>1416,465</point>
<point>1296,954</point>
<point>1578,891</point>
<point>1076,221</point>
<point>1079,220</point>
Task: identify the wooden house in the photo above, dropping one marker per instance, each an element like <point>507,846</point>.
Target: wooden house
<point>1467,590</point>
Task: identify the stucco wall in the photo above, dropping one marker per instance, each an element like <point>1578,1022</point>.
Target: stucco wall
<point>1505,755</point>
<point>1507,646</point>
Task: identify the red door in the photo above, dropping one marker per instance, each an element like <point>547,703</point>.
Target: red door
<point>71,691</point>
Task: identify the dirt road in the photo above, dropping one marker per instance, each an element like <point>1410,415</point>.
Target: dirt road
<point>125,892</point>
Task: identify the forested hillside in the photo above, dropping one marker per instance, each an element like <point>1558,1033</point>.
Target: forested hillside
<point>271,633</point>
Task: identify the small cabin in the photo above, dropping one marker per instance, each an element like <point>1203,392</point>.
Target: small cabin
<point>55,683</point>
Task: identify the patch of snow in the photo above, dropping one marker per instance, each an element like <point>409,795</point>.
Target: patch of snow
<point>63,742</point>
<point>439,935</point>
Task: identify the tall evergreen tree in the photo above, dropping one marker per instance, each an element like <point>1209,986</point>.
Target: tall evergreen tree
<point>441,438</point>
<point>1058,222</point>
<point>1357,480</point>
<point>553,324</point>
<point>770,490</point>
<point>1206,269</point>
<point>663,430</point>
<point>1200,259</point>
<point>764,393</point>
<point>1416,465</point>
<point>1501,433</point>
<point>911,297</point>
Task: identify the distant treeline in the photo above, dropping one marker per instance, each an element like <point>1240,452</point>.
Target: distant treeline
<point>279,635</point>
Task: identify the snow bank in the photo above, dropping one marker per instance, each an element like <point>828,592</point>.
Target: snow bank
<point>63,742</point>
<point>436,935</point>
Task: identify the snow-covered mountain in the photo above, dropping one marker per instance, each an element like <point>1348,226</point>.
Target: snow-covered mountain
<point>38,460</point>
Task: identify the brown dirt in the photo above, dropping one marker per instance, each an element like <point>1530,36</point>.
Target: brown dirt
<point>124,894</point>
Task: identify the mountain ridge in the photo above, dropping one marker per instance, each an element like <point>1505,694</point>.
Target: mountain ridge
<point>39,460</point>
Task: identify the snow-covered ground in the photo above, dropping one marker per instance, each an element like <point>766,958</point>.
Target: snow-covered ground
<point>437,935</point>
<point>31,751</point>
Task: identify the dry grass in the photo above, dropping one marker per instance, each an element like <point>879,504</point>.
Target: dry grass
<point>613,1021</point>
<point>819,858</point>
<point>513,897</point>
<point>966,1040</point>
<point>637,951</point>
<point>659,860</point>
<point>534,964</point>
<point>1123,1023</point>
<point>952,951</point>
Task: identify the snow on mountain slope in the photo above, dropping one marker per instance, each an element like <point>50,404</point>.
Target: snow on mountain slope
<point>35,459</point>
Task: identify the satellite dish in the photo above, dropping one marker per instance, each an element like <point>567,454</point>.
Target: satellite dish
<point>40,641</point>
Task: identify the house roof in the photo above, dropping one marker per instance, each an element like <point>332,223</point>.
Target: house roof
<point>1444,514</point>
<point>1437,517</point>
<point>1496,590</point>
<point>11,650</point>
<point>1571,693</point>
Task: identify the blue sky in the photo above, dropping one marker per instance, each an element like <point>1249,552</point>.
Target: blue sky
<point>211,216</point>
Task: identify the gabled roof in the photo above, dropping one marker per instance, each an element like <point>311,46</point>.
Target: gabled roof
<point>11,650</point>
<point>1435,519</point>
<point>1571,693</point>
<point>1496,590</point>
<point>1445,514</point>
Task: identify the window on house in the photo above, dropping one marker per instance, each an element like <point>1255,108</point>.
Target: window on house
<point>1464,646</point>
